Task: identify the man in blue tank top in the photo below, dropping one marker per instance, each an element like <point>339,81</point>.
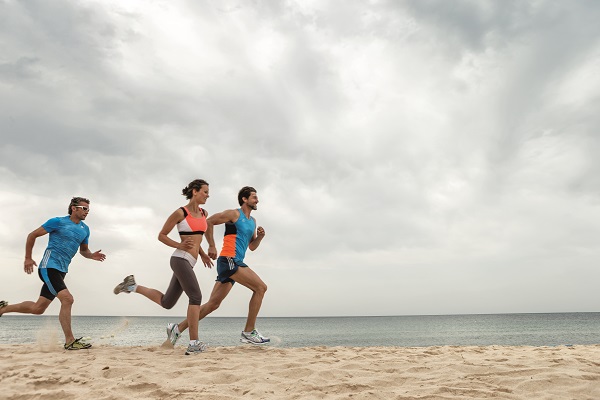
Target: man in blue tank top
<point>241,233</point>
<point>67,235</point>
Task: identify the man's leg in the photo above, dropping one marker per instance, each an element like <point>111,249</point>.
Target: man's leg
<point>246,277</point>
<point>64,316</point>
<point>218,294</point>
<point>28,307</point>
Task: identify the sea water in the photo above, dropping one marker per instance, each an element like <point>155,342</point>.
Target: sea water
<point>408,331</point>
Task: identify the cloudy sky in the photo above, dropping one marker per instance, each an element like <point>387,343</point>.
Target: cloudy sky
<point>411,157</point>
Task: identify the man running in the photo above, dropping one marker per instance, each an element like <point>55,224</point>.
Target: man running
<point>241,233</point>
<point>67,234</point>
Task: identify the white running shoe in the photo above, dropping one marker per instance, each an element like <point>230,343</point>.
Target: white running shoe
<point>173,333</point>
<point>196,348</point>
<point>127,286</point>
<point>254,337</point>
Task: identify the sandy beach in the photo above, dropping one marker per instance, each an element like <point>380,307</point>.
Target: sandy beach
<point>448,372</point>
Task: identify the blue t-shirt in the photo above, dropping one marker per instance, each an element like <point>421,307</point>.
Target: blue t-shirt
<point>65,238</point>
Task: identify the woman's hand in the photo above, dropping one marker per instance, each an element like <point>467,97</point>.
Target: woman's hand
<point>206,260</point>
<point>186,244</point>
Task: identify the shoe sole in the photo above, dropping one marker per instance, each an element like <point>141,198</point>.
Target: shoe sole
<point>123,285</point>
<point>243,340</point>
<point>191,353</point>
<point>121,288</point>
<point>117,289</point>
<point>79,348</point>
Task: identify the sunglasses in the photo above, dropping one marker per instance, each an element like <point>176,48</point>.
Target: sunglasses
<point>84,208</point>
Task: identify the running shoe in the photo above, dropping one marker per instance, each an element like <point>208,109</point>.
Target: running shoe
<point>77,344</point>
<point>173,333</point>
<point>254,338</point>
<point>127,286</point>
<point>3,303</point>
<point>196,348</point>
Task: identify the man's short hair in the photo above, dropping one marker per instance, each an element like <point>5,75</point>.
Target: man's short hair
<point>75,202</point>
<point>246,191</point>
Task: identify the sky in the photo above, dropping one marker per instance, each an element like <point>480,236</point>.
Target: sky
<point>410,157</point>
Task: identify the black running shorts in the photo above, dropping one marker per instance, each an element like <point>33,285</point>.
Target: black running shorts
<point>54,282</point>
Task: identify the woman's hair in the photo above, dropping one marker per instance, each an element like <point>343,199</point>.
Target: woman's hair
<point>246,191</point>
<point>75,202</point>
<point>188,191</point>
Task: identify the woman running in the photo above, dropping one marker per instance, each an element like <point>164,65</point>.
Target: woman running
<point>191,224</point>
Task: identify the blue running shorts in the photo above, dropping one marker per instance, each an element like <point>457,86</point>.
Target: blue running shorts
<point>227,266</point>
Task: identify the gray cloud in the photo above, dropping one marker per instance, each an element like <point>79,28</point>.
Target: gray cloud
<point>401,151</point>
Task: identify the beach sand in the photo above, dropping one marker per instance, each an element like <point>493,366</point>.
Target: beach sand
<point>448,372</point>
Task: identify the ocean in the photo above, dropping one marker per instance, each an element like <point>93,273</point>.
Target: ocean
<point>554,329</point>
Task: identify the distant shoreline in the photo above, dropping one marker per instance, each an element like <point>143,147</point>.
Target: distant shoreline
<point>413,331</point>
<point>323,316</point>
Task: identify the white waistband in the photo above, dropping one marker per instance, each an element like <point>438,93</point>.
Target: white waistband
<point>185,255</point>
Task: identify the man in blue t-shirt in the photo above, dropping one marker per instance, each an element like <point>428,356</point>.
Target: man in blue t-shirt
<point>67,235</point>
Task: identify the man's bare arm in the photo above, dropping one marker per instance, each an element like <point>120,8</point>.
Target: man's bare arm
<point>218,219</point>
<point>29,263</point>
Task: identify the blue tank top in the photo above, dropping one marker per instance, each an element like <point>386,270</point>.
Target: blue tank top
<point>237,237</point>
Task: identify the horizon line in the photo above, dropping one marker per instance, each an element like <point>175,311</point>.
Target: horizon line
<point>318,316</point>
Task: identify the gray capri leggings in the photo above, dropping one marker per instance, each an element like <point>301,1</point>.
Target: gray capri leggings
<point>183,280</point>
